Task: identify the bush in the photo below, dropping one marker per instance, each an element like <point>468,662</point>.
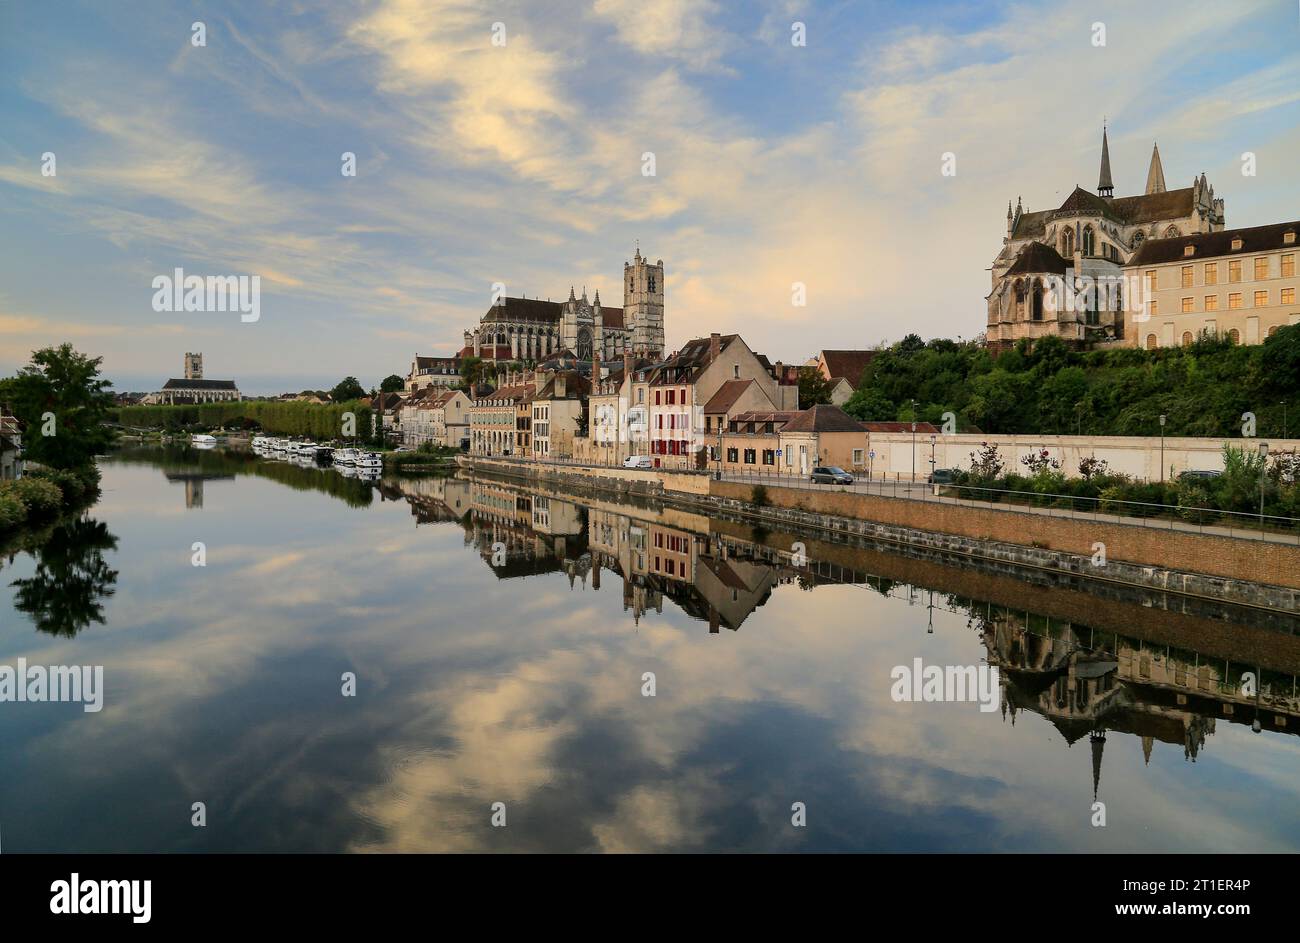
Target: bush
<point>12,509</point>
<point>39,495</point>
<point>758,496</point>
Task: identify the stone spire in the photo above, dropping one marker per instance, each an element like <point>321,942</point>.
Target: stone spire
<point>1097,740</point>
<point>1105,185</point>
<point>1156,173</point>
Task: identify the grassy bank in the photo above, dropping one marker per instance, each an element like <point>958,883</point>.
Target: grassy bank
<point>314,420</point>
<point>42,494</point>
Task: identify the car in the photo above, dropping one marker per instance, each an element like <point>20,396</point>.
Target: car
<point>831,475</point>
<point>942,476</point>
<point>638,461</point>
<point>1199,475</point>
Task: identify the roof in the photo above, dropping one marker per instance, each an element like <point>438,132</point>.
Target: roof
<point>576,385</point>
<point>874,426</point>
<point>823,418</point>
<point>1211,244</point>
<point>1130,210</point>
<point>437,364</point>
<point>725,398</point>
<point>175,384</point>
<point>543,312</point>
<point>765,415</point>
<point>1035,258</point>
<point>848,363</point>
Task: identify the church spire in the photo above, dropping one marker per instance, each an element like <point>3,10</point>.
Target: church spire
<point>1156,173</point>
<point>1105,185</point>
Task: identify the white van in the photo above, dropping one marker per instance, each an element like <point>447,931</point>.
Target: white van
<point>638,461</point>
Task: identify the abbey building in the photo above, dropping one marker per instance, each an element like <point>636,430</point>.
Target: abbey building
<point>1090,237</point>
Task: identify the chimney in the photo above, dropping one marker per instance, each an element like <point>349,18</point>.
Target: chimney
<point>715,346</point>
<point>559,380</point>
<point>629,359</point>
<point>780,372</point>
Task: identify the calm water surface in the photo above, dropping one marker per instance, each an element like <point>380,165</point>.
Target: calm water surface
<point>519,680</point>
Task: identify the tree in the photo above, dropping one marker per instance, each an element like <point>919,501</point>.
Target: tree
<point>65,406</point>
<point>814,389</point>
<point>348,389</point>
<point>869,404</point>
<point>471,371</point>
<point>392,384</point>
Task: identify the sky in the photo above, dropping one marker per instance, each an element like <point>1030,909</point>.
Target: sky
<point>522,162</point>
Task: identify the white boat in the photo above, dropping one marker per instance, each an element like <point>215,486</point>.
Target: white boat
<point>346,457</point>
<point>305,448</point>
<point>201,439</point>
<point>279,445</point>
<point>370,461</point>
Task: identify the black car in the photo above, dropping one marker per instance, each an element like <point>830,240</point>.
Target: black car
<point>942,476</point>
<point>1201,475</point>
<point>831,475</point>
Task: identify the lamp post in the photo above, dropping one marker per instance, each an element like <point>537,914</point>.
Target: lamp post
<point>932,438</point>
<point>1263,476</point>
<point>719,476</point>
<point>1162,448</point>
<point>913,402</point>
<point>1284,419</point>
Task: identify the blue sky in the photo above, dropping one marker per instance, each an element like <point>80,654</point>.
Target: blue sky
<point>522,164</point>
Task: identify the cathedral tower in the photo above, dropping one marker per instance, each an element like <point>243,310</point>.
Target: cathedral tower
<point>643,305</point>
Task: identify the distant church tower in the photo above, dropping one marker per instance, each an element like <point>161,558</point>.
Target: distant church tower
<point>193,366</point>
<point>643,305</point>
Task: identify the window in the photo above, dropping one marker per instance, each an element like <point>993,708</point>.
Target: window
<point>651,288</point>
<point>1036,300</point>
<point>1187,338</point>
<point>1151,342</point>
<point>1261,269</point>
<point>1234,336</point>
<point>1288,296</point>
<point>1288,238</point>
<point>1211,302</point>
<point>1189,251</point>
<point>640,395</point>
<point>1151,279</point>
<point>1261,299</point>
<point>1172,232</point>
<point>1152,308</point>
<point>1188,306</point>
<point>1234,300</point>
<point>769,456</point>
<point>857,456</point>
<point>735,371</point>
<point>1211,273</point>
<point>1272,330</point>
<point>1234,271</point>
<point>1187,276</point>
<point>658,394</point>
<point>733,455</point>
<point>749,456</point>
<point>1089,241</point>
<point>1067,242</point>
<point>1236,244</point>
<point>1288,265</point>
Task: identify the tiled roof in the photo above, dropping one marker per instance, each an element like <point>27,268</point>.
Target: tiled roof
<point>1036,258</point>
<point>766,415</point>
<point>726,396</point>
<point>1211,244</point>
<point>874,426</point>
<point>175,384</point>
<point>848,363</point>
<point>823,418</point>
<point>1153,207</point>
<point>543,312</point>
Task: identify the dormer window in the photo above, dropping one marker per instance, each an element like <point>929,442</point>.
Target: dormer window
<point>1288,238</point>
<point>1236,244</point>
<point>1189,250</point>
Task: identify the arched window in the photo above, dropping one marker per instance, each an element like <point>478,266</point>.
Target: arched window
<point>1089,241</point>
<point>1037,290</point>
<point>1067,241</point>
<point>1019,289</point>
<point>1151,342</point>
<point>1187,338</point>
<point>1172,232</point>
<point>1137,240</point>
<point>1272,330</point>
<point>1234,336</point>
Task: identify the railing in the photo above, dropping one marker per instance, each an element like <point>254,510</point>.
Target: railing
<point>1240,524</point>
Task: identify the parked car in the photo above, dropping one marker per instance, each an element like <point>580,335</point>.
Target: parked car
<point>942,476</point>
<point>831,475</point>
<point>1199,475</point>
<point>638,461</point>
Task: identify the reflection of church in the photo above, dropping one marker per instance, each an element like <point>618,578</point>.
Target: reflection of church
<point>530,329</point>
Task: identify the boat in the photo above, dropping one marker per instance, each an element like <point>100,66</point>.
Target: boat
<point>202,439</point>
<point>370,461</point>
<point>305,448</point>
<point>279,445</point>
<point>346,457</point>
<point>260,442</point>
<point>324,455</point>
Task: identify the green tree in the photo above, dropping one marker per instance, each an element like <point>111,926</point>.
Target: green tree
<point>347,389</point>
<point>814,389</point>
<point>64,404</point>
<point>471,371</point>
<point>392,384</point>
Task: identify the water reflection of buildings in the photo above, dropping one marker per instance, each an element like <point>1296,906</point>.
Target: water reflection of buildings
<point>193,482</point>
<point>1088,682</point>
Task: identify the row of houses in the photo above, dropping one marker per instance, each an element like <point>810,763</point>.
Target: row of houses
<point>11,447</point>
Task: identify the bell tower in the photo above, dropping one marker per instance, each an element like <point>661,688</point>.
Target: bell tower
<point>643,304</point>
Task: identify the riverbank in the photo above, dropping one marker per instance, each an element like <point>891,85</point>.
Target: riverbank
<point>1248,572</point>
<point>42,494</point>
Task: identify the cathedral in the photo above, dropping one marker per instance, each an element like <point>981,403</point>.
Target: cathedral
<point>529,329</point>
<point>1090,236</point>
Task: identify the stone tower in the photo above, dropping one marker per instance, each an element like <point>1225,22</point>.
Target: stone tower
<point>643,305</point>
<point>193,366</point>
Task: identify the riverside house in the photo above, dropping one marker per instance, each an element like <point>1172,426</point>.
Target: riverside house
<point>11,447</point>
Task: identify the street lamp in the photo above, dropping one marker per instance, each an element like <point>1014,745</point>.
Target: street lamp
<point>913,441</point>
<point>1162,448</point>
<point>1263,476</point>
